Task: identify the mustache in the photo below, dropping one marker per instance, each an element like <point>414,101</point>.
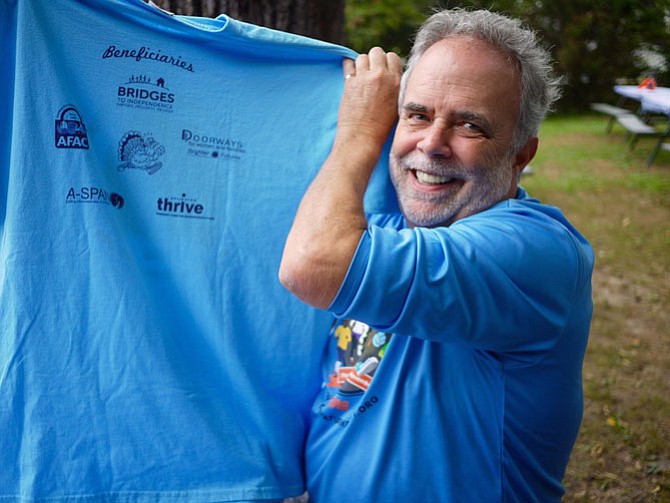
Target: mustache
<point>417,162</point>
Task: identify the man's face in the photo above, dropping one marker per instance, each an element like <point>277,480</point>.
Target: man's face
<point>451,152</point>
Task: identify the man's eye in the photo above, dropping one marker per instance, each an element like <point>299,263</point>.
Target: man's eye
<point>419,117</point>
<point>473,129</point>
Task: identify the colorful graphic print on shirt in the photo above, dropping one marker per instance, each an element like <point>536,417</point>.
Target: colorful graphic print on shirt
<point>359,351</point>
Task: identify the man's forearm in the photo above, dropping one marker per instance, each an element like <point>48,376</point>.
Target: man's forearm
<point>329,224</point>
<point>331,217</point>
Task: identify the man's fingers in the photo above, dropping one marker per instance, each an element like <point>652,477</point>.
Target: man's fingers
<point>348,68</point>
<point>377,58</point>
<point>362,63</point>
<point>394,62</point>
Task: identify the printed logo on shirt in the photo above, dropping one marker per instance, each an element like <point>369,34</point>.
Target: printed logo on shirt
<point>140,91</point>
<point>211,146</point>
<point>181,207</point>
<point>359,350</point>
<point>147,53</point>
<point>339,410</point>
<point>94,195</point>
<point>70,129</point>
<point>139,151</point>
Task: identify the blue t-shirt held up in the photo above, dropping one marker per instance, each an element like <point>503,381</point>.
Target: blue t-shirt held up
<point>150,169</point>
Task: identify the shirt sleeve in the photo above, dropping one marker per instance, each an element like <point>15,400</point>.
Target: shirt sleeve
<point>502,280</point>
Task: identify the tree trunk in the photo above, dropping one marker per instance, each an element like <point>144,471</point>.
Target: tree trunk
<point>320,19</point>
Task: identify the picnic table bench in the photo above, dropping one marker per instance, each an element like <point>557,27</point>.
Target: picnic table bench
<point>632,123</point>
<point>636,127</point>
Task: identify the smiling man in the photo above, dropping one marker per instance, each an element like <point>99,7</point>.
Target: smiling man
<point>454,370</point>
<point>448,144</point>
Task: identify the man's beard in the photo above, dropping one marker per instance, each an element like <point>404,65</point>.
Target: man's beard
<point>472,189</point>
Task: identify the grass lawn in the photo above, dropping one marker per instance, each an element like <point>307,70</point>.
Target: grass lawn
<point>623,450</point>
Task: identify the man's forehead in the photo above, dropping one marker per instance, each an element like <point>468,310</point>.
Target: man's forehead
<point>462,62</point>
<point>463,49</point>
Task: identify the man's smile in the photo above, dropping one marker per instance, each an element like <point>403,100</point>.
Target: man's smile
<point>430,179</point>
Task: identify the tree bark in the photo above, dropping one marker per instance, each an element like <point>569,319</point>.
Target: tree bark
<point>320,19</point>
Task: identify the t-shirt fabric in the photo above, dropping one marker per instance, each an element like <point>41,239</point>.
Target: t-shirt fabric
<point>150,169</point>
<point>454,368</point>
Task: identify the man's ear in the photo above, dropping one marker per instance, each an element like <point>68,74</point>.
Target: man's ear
<point>526,154</point>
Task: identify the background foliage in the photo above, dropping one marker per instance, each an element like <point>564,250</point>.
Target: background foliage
<point>595,43</point>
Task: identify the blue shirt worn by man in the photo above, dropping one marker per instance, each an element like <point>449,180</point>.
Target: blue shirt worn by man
<point>150,168</point>
<point>464,381</point>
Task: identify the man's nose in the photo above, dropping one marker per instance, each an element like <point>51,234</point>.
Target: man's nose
<point>435,142</point>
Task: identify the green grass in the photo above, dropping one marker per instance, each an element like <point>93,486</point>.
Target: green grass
<point>623,208</point>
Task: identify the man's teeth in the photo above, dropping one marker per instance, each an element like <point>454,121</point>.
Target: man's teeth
<point>431,179</point>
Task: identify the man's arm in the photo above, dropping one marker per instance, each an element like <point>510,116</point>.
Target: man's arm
<point>331,217</point>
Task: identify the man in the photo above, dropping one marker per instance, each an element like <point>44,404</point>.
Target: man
<point>454,371</point>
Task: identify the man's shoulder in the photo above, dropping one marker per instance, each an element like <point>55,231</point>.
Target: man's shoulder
<point>522,211</point>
